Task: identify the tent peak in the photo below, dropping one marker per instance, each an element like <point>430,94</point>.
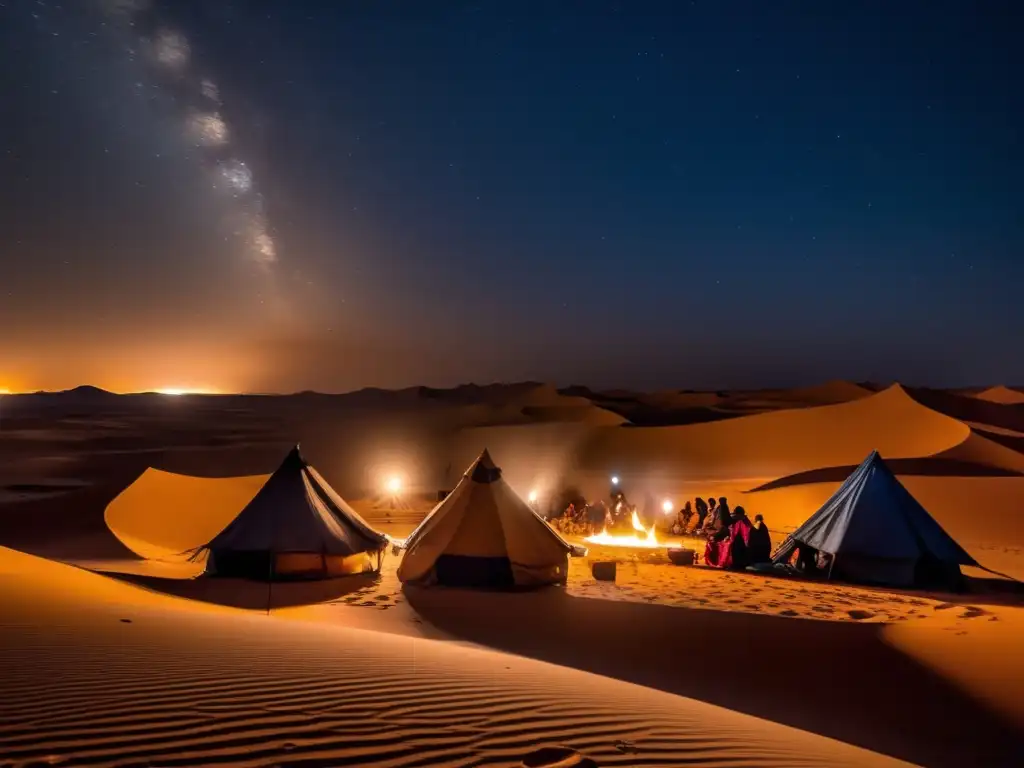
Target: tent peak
<point>484,470</point>
<point>294,458</point>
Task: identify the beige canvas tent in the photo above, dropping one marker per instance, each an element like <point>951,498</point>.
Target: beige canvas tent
<point>296,526</point>
<point>484,535</point>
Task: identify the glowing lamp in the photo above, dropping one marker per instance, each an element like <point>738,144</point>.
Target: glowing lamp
<point>533,496</point>
<point>394,485</point>
<point>666,505</point>
<point>615,479</point>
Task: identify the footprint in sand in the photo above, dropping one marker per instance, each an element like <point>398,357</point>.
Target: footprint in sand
<point>626,747</point>
<point>943,606</point>
<point>788,612</point>
<point>823,608</point>
<point>733,601</point>
<point>859,615</point>
<point>557,757</point>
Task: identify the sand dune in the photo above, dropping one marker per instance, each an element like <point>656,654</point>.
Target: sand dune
<point>980,449</point>
<point>68,525</point>
<point>1002,395</point>
<point>970,409</point>
<point>163,514</point>
<point>135,678</point>
<point>779,443</point>
<point>734,455</point>
<point>829,393</point>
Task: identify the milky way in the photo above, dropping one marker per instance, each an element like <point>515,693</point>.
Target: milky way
<point>168,53</point>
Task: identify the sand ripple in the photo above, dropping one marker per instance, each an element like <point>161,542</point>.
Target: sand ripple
<point>177,687</point>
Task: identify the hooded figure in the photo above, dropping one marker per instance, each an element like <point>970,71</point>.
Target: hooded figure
<point>760,550</point>
<point>730,550</point>
<point>702,513</point>
<point>719,525</point>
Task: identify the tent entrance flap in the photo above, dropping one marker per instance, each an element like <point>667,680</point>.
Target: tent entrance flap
<point>469,571</point>
<point>261,566</point>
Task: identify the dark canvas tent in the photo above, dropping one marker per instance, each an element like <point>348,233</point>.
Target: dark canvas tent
<point>484,535</point>
<point>877,532</point>
<point>295,526</point>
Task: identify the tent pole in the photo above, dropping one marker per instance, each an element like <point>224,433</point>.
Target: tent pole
<point>270,579</point>
<point>831,566</point>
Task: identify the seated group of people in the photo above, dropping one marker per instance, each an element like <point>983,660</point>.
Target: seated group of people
<point>587,519</point>
<point>734,541</point>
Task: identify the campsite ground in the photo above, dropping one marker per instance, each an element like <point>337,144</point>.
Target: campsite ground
<point>117,669</point>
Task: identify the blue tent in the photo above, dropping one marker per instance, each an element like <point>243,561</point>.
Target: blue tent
<point>877,532</point>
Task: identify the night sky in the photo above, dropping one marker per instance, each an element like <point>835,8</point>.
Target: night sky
<point>267,196</point>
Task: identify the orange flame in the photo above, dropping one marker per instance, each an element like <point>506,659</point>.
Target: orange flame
<point>649,539</point>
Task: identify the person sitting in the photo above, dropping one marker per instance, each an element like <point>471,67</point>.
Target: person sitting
<point>807,560</point>
<point>728,547</point>
<point>760,550</point>
<point>718,527</point>
<point>682,520</point>
<point>702,513</point>
<point>739,539</point>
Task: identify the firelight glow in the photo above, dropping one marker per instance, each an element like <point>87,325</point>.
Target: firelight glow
<point>666,506</point>
<point>615,479</point>
<point>533,496</point>
<point>394,485</point>
<point>643,538</point>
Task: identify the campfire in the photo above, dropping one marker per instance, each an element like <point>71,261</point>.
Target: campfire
<point>644,538</point>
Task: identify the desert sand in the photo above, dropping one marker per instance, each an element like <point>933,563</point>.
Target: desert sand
<point>115,654</point>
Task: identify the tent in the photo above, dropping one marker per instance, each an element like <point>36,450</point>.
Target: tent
<point>484,535</point>
<point>296,526</point>
<point>875,531</point>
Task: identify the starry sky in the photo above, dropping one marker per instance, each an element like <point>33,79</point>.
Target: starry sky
<point>251,195</point>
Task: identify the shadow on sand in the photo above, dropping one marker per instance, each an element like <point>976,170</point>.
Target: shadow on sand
<point>252,595</point>
<point>840,680</point>
<point>68,526</point>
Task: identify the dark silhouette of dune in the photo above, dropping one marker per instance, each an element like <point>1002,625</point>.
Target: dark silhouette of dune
<point>1003,395</point>
<point>69,526</point>
<point>925,467</point>
<point>970,409</point>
